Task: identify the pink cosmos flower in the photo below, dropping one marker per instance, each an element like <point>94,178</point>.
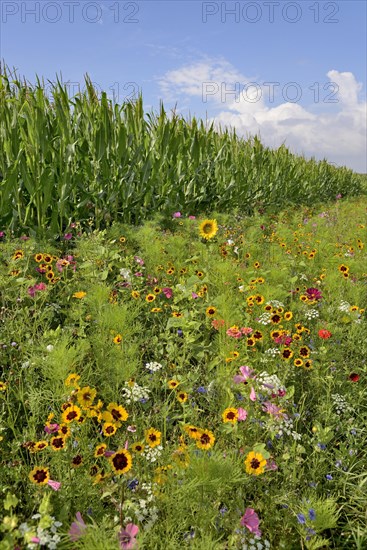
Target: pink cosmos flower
<point>168,292</point>
<point>40,286</point>
<point>138,260</point>
<point>242,414</point>
<point>77,528</point>
<point>313,294</point>
<point>52,428</point>
<point>252,395</point>
<point>192,217</point>
<point>55,485</point>
<point>127,536</point>
<point>273,410</point>
<point>68,236</point>
<point>246,372</point>
<point>251,521</point>
<point>194,295</point>
<point>176,214</point>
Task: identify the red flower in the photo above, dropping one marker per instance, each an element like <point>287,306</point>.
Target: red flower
<point>324,334</point>
<point>354,377</point>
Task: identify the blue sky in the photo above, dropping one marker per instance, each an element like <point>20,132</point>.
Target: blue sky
<point>294,72</point>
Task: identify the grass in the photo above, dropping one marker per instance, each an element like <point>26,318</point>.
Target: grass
<point>262,293</point>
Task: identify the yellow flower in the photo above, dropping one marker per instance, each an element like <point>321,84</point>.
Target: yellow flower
<point>118,339</point>
<point>208,229</point>
<point>121,461</point>
<point>3,386</point>
<point>109,429</point>
<point>79,294</point>
<point>72,380</point>
<point>86,396</point>
<point>210,311</point>
<point>39,475</point>
<point>182,396</point>
<point>205,440</point>
<point>71,413</point>
<point>255,463</point>
<point>153,437</point>
<point>230,415</point>
<point>119,414</point>
<point>172,384</point>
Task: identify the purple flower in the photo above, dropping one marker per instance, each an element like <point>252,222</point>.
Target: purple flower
<point>329,477</point>
<point>2,234</point>
<point>301,518</point>
<point>77,528</point>
<point>313,294</point>
<point>139,260</point>
<point>311,514</point>
<point>127,536</point>
<point>250,520</point>
<point>68,236</point>
<point>176,214</point>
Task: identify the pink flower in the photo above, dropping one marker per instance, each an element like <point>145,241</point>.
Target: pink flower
<point>234,332</point>
<point>127,536</point>
<point>77,528</point>
<point>31,291</point>
<point>35,540</point>
<point>242,414</point>
<point>52,428</point>
<point>40,286</point>
<point>246,330</point>
<point>246,372</point>
<point>313,294</point>
<point>24,238</point>
<point>131,429</point>
<point>192,217</point>
<point>273,410</point>
<point>138,274</point>
<point>176,214</point>
<point>68,236</point>
<point>168,292</point>
<point>252,395</point>
<point>283,339</point>
<point>108,453</point>
<point>271,464</point>
<point>55,485</point>
<point>250,520</point>
<point>194,295</point>
<point>138,260</point>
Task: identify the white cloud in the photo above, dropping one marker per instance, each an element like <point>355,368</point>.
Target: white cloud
<point>337,132</point>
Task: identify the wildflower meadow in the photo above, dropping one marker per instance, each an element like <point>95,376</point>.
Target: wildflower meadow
<point>196,380</point>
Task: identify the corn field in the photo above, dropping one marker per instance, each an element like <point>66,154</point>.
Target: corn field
<point>66,159</point>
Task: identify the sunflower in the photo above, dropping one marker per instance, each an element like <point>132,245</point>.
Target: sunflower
<point>3,386</point>
<point>205,440</point>
<point>156,309</point>
<point>77,461</point>
<point>288,315</point>
<point>135,294</point>
<point>72,412</point>
<point>343,268</point>
<point>307,364</point>
<point>298,362</point>
<point>255,463</point>
<point>64,430</point>
<point>38,257</point>
<point>18,254</point>
<point>192,431</point>
<point>172,384</point>
<point>286,353</point>
<point>304,352</point>
<point>170,271</point>
<point>208,229</point>
<point>182,396</point>
<point>117,339</point>
<point>150,297</point>
<point>109,429</point>
<point>39,475</point>
<point>177,314</point>
<point>86,396</point>
<point>152,437</point>
<point>119,414</point>
<point>39,446</point>
<point>210,311</point>
<point>230,415</point>
<point>137,448</point>
<point>100,449</point>
<point>121,461</point>
<point>275,319</point>
<point>58,443</point>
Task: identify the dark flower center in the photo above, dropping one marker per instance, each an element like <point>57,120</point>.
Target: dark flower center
<point>254,464</point>
<point>40,476</point>
<point>120,461</point>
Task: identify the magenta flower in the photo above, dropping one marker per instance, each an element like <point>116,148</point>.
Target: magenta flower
<point>192,217</point>
<point>40,286</point>
<point>313,294</point>
<point>68,236</point>
<point>252,395</point>
<point>273,410</point>
<point>242,414</point>
<point>138,260</point>
<point>55,485</point>
<point>176,214</point>
<point>168,292</point>
<point>250,520</point>
<point>52,428</point>
<point>194,295</point>
<point>77,528</point>
<point>246,372</point>
<point>127,536</point>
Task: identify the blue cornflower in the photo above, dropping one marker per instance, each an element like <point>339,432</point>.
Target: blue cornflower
<point>201,389</point>
<point>321,446</point>
<point>301,518</point>
<point>311,514</point>
<point>132,484</point>
<point>329,477</point>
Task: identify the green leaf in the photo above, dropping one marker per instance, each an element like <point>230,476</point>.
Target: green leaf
<point>10,501</point>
